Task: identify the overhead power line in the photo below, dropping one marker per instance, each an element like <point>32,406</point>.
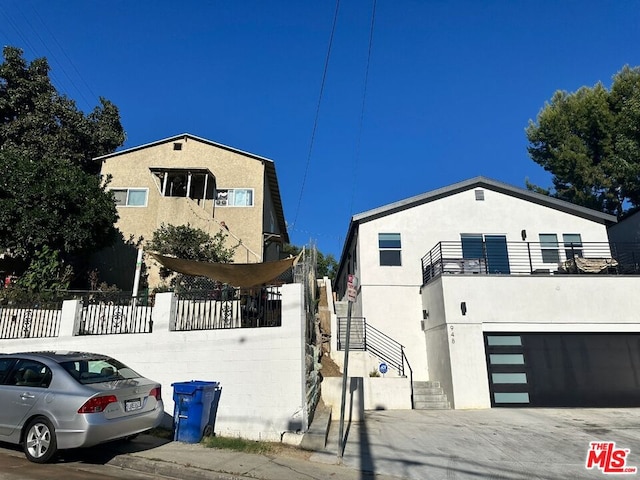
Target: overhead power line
<point>364,98</point>
<point>27,31</point>
<point>315,121</point>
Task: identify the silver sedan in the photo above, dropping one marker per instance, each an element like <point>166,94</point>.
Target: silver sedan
<point>58,400</point>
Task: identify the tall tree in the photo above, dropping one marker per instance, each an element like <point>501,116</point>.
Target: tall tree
<point>50,193</point>
<point>590,141</point>
<point>38,122</point>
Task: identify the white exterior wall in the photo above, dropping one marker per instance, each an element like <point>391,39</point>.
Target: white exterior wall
<point>549,303</point>
<point>261,371</point>
<point>366,393</point>
<point>390,296</point>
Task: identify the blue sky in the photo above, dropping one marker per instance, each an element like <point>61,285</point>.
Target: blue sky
<point>451,85</point>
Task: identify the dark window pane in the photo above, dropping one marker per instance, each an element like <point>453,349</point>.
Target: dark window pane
<point>550,256</point>
<point>120,196</point>
<point>472,246</point>
<point>390,257</point>
<point>572,245</point>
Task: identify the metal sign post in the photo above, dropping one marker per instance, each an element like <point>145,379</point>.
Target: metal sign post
<point>352,292</point>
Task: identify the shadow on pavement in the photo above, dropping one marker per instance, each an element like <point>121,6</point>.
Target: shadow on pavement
<point>104,453</point>
<point>367,465</point>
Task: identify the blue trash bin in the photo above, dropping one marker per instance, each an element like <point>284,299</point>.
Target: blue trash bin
<point>193,407</point>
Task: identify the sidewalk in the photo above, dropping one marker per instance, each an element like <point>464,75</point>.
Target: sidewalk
<point>510,444</point>
<point>196,462</point>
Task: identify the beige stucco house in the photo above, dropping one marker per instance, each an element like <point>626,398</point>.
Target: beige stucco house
<point>190,180</point>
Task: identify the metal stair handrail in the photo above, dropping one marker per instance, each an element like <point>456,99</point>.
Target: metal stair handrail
<point>368,338</point>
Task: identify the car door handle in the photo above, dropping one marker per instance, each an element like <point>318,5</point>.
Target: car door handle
<point>26,396</point>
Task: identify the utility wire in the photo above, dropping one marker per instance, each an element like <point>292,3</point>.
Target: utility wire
<point>364,97</point>
<point>26,44</point>
<point>51,57</point>
<point>315,122</point>
<point>64,53</point>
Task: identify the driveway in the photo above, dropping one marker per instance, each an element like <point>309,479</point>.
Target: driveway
<point>496,443</point>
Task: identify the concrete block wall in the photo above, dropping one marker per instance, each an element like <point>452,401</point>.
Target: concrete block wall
<point>260,370</point>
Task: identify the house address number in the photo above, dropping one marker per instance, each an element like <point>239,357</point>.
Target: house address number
<point>452,334</point>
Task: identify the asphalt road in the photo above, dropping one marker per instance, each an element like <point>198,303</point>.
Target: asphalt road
<point>83,464</point>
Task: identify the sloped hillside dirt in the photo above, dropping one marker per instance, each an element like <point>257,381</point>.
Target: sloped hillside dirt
<point>329,368</point>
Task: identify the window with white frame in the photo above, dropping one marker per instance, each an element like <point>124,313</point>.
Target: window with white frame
<point>572,245</point>
<point>234,197</point>
<point>130,197</point>
<point>390,249</point>
<point>195,183</point>
<point>549,247</point>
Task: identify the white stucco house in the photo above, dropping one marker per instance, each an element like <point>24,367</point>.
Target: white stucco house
<point>504,296</point>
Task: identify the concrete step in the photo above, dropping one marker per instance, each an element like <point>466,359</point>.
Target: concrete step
<point>315,439</point>
<point>427,384</point>
<point>427,391</point>
<point>429,395</point>
<point>429,398</point>
<point>431,405</point>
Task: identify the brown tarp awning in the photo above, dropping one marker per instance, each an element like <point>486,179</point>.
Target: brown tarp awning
<point>236,274</point>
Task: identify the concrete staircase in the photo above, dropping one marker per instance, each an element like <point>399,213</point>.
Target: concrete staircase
<point>429,396</point>
<point>315,439</point>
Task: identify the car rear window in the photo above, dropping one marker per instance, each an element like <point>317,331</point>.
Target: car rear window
<point>98,370</point>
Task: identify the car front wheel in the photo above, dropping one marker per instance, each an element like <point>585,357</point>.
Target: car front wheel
<point>40,440</point>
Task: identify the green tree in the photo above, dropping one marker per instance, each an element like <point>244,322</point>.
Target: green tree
<point>38,122</point>
<point>589,140</point>
<point>50,193</point>
<point>326,265</point>
<point>185,241</point>
<point>46,272</point>
<point>52,202</point>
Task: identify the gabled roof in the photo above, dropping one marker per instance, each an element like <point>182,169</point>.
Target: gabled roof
<point>269,165</point>
<point>182,136</point>
<point>476,182</point>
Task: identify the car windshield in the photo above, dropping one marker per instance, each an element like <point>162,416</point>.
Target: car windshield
<point>96,370</point>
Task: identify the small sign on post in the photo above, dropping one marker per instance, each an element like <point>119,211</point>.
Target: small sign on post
<point>352,287</point>
<point>352,293</point>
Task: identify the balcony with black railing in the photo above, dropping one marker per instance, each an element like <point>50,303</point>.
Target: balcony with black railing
<point>530,258</point>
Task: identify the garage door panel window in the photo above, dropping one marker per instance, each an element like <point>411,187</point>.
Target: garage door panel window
<point>511,397</point>
<point>504,340</point>
<point>509,378</point>
<point>506,359</point>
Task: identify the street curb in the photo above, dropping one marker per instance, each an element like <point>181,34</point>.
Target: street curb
<point>171,470</point>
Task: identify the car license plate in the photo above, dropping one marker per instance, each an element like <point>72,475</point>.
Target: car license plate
<point>131,405</point>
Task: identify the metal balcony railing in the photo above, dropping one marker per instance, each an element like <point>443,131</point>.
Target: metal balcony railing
<point>526,258</point>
